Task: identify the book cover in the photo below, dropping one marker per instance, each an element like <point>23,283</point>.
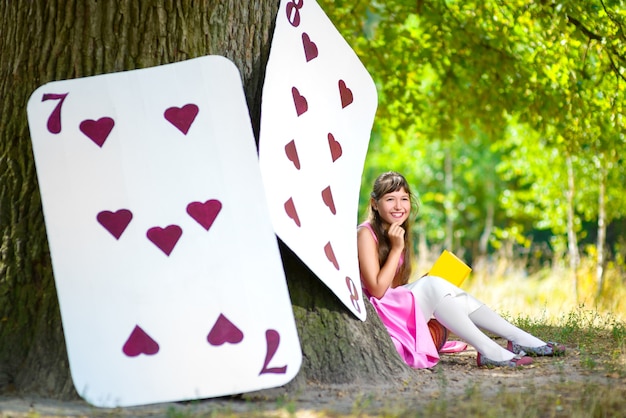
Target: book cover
<point>451,268</point>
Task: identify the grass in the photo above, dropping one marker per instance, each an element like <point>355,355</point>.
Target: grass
<point>547,294</point>
<point>566,400</point>
<point>543,304</point>
<point>546,305</point>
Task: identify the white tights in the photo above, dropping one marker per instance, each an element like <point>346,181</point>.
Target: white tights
<point>465,316</point>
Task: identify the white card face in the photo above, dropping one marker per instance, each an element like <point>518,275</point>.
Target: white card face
<point>318,108</point>
<point>167,269</point>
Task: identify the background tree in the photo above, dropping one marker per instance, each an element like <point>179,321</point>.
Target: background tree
<point>455,73</point>
<point>43,40</point>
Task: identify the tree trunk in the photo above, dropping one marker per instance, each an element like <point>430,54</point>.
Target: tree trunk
<point>424,260</point>
<point>483,243</point>
<point>46,40</point>
<point>572,241</point>
<point>450,200</point>
<point>601,225</point>
<point>337,347</point>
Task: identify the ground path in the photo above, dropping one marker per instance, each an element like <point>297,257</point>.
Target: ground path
<point>454,381</point>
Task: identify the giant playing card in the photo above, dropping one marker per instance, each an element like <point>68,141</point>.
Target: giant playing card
<point>317,113</point>
<point>166,265</point>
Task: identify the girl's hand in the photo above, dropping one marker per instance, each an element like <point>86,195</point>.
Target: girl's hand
<point>396,236</point>
<point>378,279</point>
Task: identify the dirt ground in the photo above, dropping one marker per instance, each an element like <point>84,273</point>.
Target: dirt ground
<point>454,379</point>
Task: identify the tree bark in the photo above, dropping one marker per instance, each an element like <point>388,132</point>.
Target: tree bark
<point>483,242</point>
<point>337,347</point>
<point>572,240</point>
<point>46,40</point>
<point>450,200</point>
<point>601,239</point>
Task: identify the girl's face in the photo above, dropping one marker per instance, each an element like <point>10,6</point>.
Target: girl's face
<point>394,207</point>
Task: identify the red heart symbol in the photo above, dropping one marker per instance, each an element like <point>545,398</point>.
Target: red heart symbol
<point>204,213</point>
<point>182,117</point>
<point>115,222</point>
<point>335,147</point>
<point>299,101</point>
<point>292,153</point>
<point>140,343</point>
<point>327,197</point>
<point>290,208</point>
<point>330,254</point>
<point>224,331</point>
<point>345,93</point>
<point>310,49</point>
<point>97,130</point>
<point>165,238</point>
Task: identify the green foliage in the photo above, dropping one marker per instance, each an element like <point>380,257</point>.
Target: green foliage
<point>482,101</point>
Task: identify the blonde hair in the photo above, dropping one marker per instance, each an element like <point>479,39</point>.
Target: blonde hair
<point>390,182</point>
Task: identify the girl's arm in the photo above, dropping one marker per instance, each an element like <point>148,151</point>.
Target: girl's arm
<point>378,279</point>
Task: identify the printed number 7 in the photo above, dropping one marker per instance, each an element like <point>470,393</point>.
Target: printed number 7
<point>272,339</point>
<point>54,121</point>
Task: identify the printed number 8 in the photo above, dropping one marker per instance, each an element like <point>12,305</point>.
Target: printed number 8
<point>293,12</point>
<point>354,294</point>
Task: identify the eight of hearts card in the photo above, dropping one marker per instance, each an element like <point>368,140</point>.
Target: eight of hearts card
<point>165,261</point>
<point>317,112</point>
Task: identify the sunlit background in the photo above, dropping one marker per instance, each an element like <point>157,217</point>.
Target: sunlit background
<point>507,120</point>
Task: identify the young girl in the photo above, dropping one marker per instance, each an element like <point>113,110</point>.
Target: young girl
<point>384,259</point>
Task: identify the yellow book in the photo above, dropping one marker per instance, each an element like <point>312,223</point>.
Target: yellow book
<point>451,268</point>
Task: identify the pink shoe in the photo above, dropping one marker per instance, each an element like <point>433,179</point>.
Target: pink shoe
<point>453,347</point>
<point>514,362</point>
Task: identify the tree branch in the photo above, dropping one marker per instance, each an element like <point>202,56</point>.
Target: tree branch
<point>615,68</point>
<point>593,36</point>
<point>583,29</point>
<point>612,17</point>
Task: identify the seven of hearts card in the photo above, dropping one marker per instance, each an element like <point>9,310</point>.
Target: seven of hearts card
<point>169,288</point>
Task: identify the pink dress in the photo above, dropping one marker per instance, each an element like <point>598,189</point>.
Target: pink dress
<point>405,323</point>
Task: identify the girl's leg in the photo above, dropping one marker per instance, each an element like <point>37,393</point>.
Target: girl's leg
<point>430,290</point>
<point>451,312</point>
<point>463,314</point>
<point>488,320</point>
